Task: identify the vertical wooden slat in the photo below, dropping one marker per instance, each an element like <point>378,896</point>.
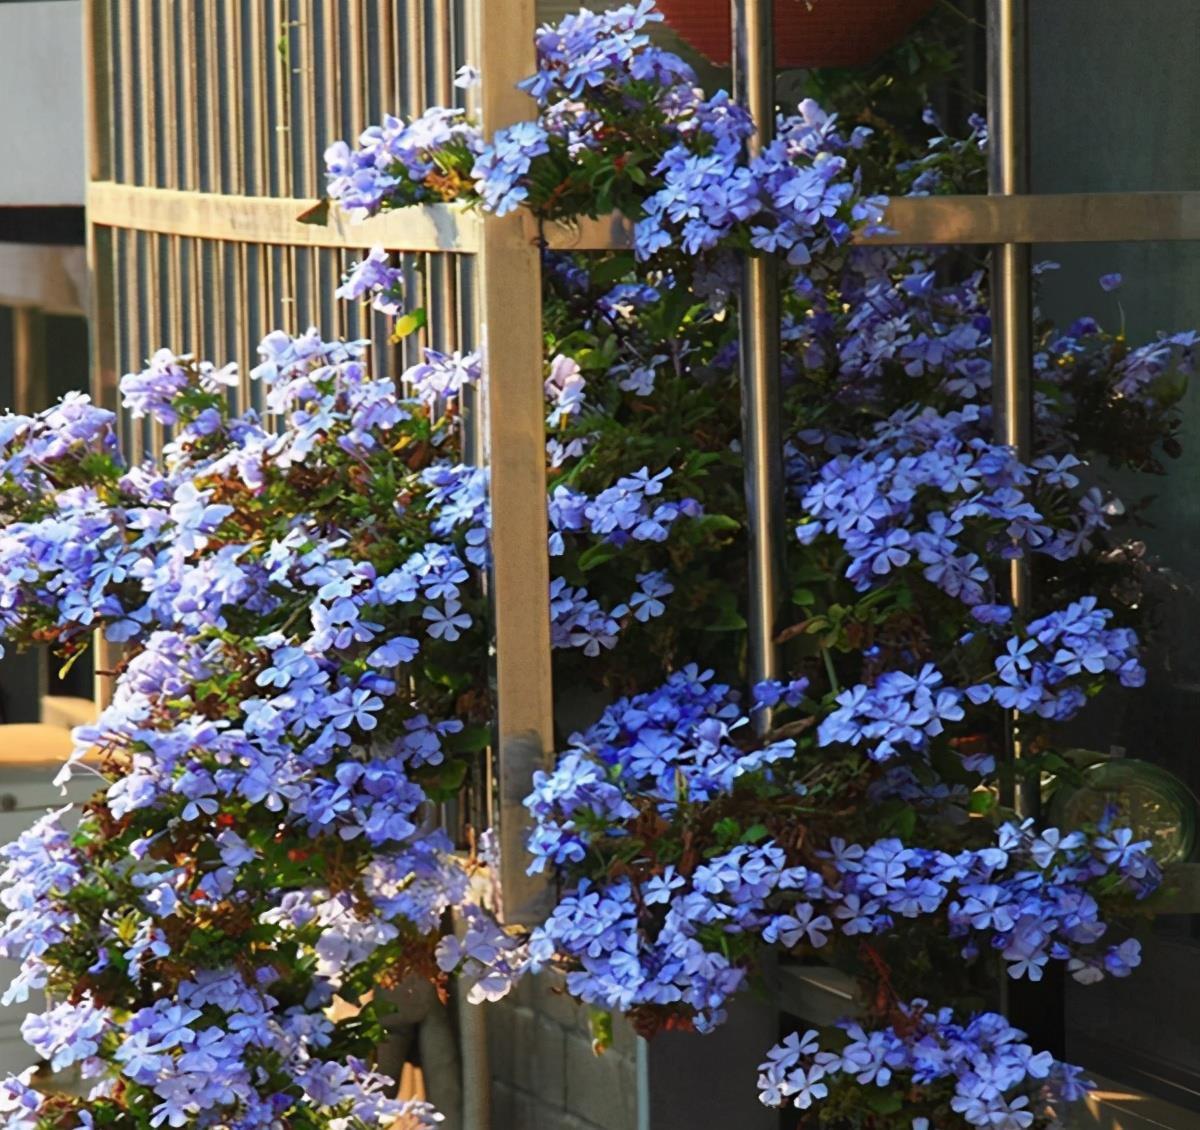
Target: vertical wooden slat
<point>196,296</point>
<point>412,55</point>
<point>145,107</point>
<point>131,315</point>
<point>125,117</point>
<point>357,49</point>
<point>245,322</point>
<point>389,71</point>
<point>311,303</point>
<point>326,75</point>
<point>213,163</point>
<point>256,97</point>
<point>303,74</point>
<point>101,161</point>
<point>444,296</point>
<point>189,109</point>
<point>510,299</point>
<point>234,115</point>
<point>214,294</point>
<point>153,317</point>
<point>28,359</point>
<point>264,282</point>
<point>237,332</point>
<point>168,71</point>
<point>101,257</point>
<point>278,41</point>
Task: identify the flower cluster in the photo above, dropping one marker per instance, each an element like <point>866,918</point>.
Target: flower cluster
<point>304,637</point>
<point>980,1070</point>
<point>690,186</point>
<point>399,162</point>
<point>1046,671</point>
<point>684,845</point>
<point>652,928</point>
<point>920,493</point>
<point>1041,671</point>
<point>262,784</point>
<point>375,276</point>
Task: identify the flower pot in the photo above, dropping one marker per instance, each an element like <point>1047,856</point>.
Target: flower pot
<point>808,33</point>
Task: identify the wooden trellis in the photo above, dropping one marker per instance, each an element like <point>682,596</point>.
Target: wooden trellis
<point>206,127</point>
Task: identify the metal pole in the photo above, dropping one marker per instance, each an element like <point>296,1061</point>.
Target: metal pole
<point>1040,1009</point>
<point>1012,319</point>
<point>762,438</point>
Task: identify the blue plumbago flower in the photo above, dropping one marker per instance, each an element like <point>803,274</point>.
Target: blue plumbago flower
<point>651,934</point>
<point>797,197</point>
<point>20,1102</point>
<point>1046,671</point>
<point>1144,365</point>
<point>272,620</point>
<point>443,376</point>
<point>980,1067</point>
<point>899,710</point>
<point>564,391</point>
<point>215,733</point>
<point>398,162</point>
<point>68,1033</point>
<point>377,278</point>
<point>501,167</point>
<point>582,50</point>
<point>633,509</point>
<point>924,494</point>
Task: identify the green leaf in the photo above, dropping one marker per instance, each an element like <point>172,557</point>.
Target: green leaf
<point>472,739</point>
<point>882,1102</point>
<point>318,214</point>
<point>727,618</point>
<point>755,833</point>
<point>408,324</point>
<point>600,1024</point>
<point>441,782</point>
<point>982,802</point>
<point>726,830</point>
<point>717,524</point>
<point>597,555</point>
<point>810,574</point>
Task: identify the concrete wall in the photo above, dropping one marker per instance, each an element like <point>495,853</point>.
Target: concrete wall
<point>42,119</point>
<point>544,1074</point>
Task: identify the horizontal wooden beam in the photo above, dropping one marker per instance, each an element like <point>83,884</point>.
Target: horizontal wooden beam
<point>1112,217</point>
<point>276,220</point>
<point>1077,217</point>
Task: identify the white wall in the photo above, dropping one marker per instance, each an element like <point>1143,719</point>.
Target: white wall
<point>41,103</point>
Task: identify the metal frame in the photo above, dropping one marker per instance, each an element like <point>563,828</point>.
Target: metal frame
<point>1011,289</point>
<point>762,434</point>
